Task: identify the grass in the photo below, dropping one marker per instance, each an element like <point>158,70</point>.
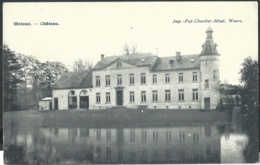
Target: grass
<point>116,118</point>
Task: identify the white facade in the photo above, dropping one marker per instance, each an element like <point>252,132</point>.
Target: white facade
<point>45,103</point>
<point>182,82</point>
<point>161,86</point>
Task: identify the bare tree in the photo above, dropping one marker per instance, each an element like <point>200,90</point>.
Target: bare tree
<point>82,65</point>
<point>134,49</point>
<point>127,50</point>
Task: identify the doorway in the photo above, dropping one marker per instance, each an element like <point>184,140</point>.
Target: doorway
<point>119,97</point>
<point>207,103</point>
<point>84,102</point>
<point>56,103</point>
<point>50,105</point>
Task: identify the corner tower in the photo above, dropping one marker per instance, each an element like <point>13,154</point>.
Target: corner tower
<point>209,69</point>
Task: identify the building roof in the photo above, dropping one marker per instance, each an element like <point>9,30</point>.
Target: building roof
<point>209,29</point>
<point>185,62</point>
<point>74,80</point>
<point>47,99</point>
<point>141,59</point>
<point>209,47</point>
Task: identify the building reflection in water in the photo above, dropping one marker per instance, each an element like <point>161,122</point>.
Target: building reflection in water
<point>195,144</point>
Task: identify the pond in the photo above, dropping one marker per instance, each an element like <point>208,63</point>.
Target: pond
<point>83,145</point>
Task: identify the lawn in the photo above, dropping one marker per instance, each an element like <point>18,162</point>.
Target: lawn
<point>116,118</point>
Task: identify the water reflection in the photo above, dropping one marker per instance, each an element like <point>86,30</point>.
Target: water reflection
<point>193,144</point>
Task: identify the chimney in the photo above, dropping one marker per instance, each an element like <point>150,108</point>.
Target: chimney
<point>102,56</point>
<point>178,55</point>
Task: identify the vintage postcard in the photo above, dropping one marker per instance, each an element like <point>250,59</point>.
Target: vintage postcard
<point>130,82</point>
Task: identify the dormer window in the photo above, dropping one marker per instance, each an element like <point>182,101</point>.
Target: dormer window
<point>119,64</point>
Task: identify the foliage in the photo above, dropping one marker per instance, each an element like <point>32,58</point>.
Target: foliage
<point>226,103</point>
<point>249,77</point>
<point>11,77</point>
<point>250,107</point>
<point>27,80</point>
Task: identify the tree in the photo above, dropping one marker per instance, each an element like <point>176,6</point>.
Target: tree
<point>249,77</point>
<point>127,50</point>
<point>49,73</point>
<point>27,80</point>
<point>12,78</point>
<point>82,65</point>
<point>250,107</point>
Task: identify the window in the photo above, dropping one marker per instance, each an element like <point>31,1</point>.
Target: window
<point>107,97</point>
<point>167,78</point>
<point>196,138</point>
<point>194,76</point>
<point>180,77</point>
<point>98,81</point>
<point>215,74</point>
<point>155,96</point>
<point>119,79</point>
<point>97,97</point>
<point>143,96</point>
<point>168,136</point>
<point>181,94</point>
<point>154,79</point>
<point>143,79</point>
<point>131,79</point>
<point>98,135</point>
<point>206,84</point>
<point>155,136</point>
<point>119,64</point>
<point>83,93</point>
<point>144,135</point>
<point>195,95</point>
<point>72,100</point>
<point>108,135</point>
<point>167,95</point>
<point>107,80</point>
<point>132,135</point>
<point>132,97</point>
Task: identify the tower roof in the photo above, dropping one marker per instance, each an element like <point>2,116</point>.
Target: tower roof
<point>209,29</point>
<point>209,47</point>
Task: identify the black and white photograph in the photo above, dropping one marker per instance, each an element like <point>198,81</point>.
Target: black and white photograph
<point>130,83</point>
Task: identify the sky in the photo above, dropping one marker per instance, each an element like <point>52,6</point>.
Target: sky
<point>88,29</point>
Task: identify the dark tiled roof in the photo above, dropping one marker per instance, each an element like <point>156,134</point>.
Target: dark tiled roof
<point>209,47</point>
<point>74,80</point>
<point>132,59</point>
<point>186,62</point>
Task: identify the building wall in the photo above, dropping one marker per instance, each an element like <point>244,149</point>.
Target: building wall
<point>161,86</point>
<point>205,72</point>
<point>62,95</point>
<point>44,105</point>
<point>207,65</point>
